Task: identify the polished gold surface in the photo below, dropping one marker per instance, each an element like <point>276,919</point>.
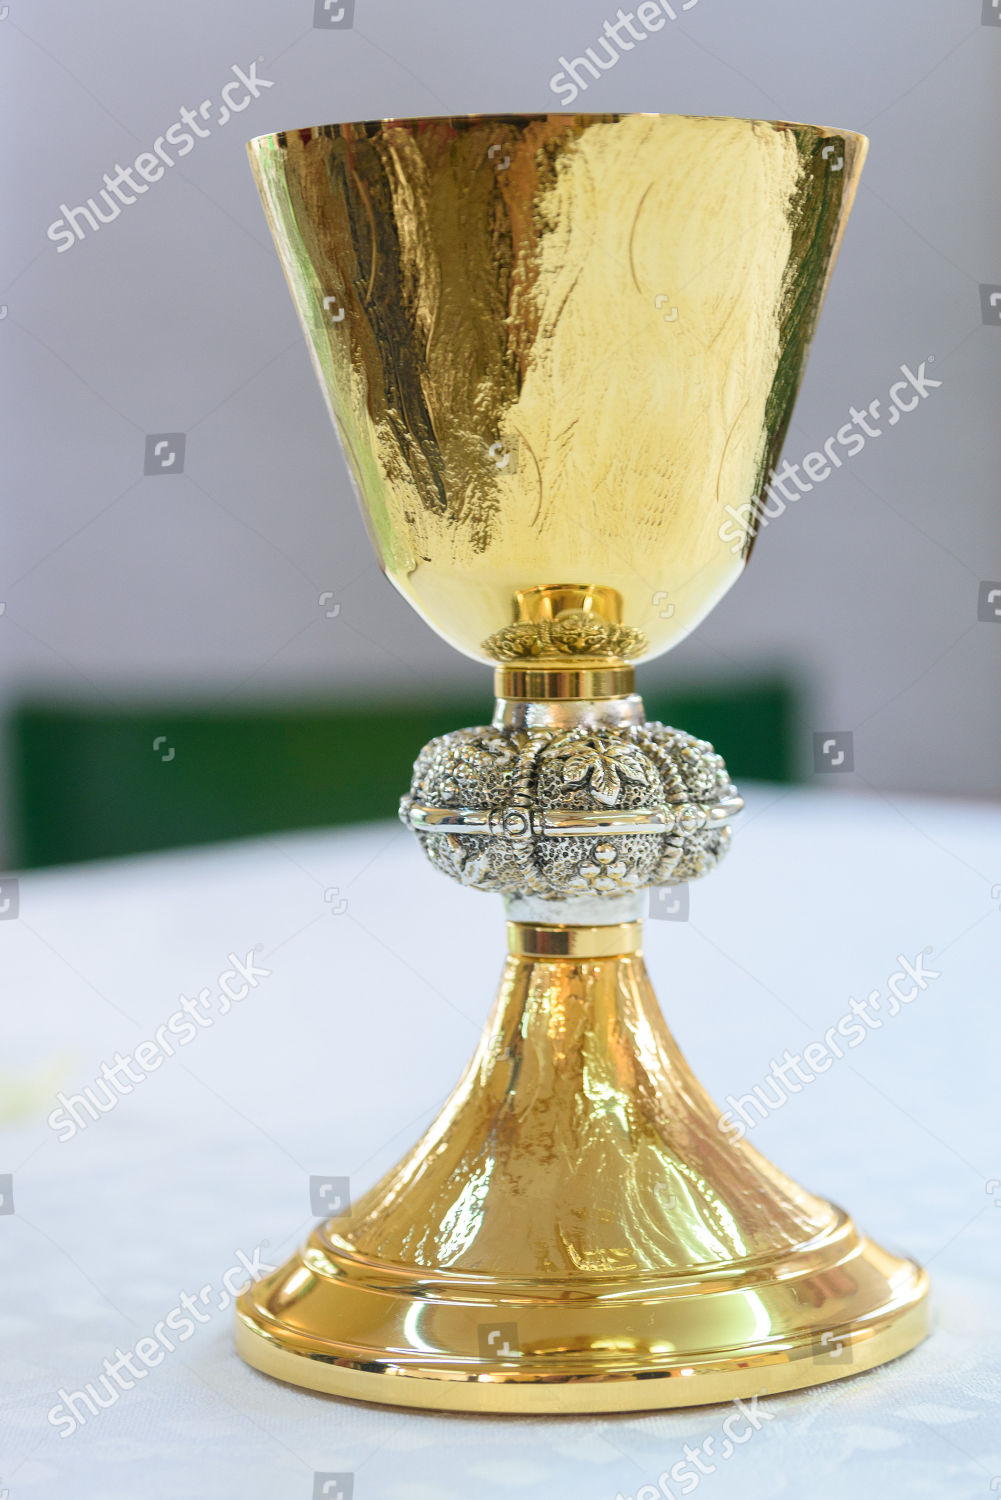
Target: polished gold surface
<point>586,684</point>
<point>559,346</point>
<point>555,940</point>
<point>575,1233</point>
<point>552,600</point>
<point>566,348</point>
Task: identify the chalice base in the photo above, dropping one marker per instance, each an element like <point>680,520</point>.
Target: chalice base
<point>577,1233</point>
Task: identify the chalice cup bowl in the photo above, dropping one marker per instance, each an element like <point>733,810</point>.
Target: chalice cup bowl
<point>562,353</point>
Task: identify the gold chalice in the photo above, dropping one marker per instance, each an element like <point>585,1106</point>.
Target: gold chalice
<point>562,353</point>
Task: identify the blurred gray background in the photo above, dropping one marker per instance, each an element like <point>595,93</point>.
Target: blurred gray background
<point>205,585</point>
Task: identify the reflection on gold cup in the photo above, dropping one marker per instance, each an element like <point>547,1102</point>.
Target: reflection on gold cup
<point>558,347</point>
<point>562,353</point>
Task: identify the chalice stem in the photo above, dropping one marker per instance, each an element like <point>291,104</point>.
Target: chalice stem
<point>577,1231</point>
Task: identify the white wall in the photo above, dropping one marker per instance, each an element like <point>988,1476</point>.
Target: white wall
<point>175,317</point>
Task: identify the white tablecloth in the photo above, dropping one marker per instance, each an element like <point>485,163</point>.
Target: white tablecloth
<point>338,1057</point>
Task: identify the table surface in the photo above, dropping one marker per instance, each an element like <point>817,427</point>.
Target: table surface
<point>380,977</point>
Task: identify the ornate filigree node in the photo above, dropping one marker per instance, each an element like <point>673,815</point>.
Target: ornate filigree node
<point>602,766</point>
<point>557,812</point>
<point>574,632</point>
